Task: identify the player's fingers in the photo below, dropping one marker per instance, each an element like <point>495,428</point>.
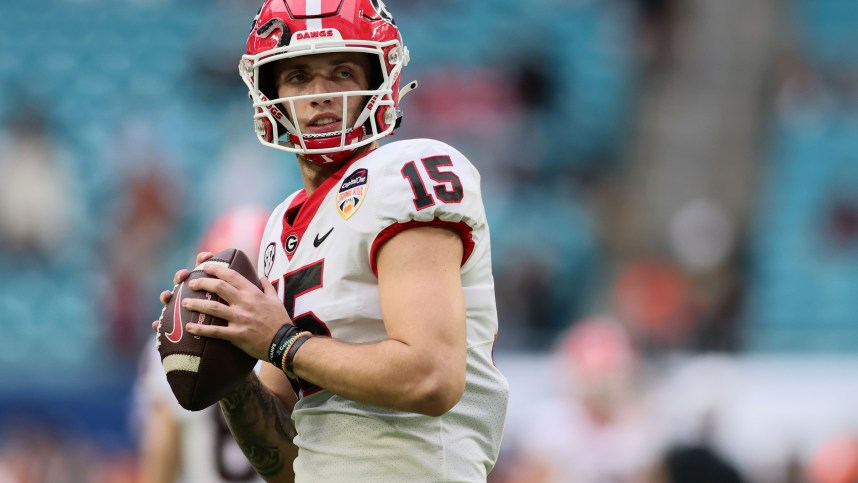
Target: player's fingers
<point>210,307</point>
<point>228,275</point>
<point>216,286</point>
<point>267,287</point>
<point>180,276</point>
<point>165,297</point>
<point>155,326</point>
<point>203,256</point>
<point>214,331</point>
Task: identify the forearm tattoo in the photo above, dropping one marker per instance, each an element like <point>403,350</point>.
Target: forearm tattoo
<point>251,412</point>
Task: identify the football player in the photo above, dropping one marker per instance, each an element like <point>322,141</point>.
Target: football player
<point>378,312</point>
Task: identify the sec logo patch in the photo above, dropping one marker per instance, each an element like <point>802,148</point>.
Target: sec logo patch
<point>270,252</point>
<point>352,192</point>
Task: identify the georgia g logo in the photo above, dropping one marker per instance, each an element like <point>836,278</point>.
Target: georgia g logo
<point>382,10</point>
<point>291,243</point>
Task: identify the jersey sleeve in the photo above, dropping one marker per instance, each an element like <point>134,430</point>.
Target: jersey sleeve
<point>427,182</point>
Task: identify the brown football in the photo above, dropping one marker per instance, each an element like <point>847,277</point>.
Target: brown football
<point>202,370</point>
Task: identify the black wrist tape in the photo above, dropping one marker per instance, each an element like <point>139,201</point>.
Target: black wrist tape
<point>278,345</point>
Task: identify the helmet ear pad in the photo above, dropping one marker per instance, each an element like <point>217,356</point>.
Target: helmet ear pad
<point>269,130</point>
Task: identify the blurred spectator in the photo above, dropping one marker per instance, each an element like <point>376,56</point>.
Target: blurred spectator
<point>535,87</point>
<point>802,97</point>
<point>144,221</point>
<point>834,461</point>
<point>658,20</point>
<point>698,464</point>
<point>841,221</point>
<point>702,235</point>
<point>652,297</point>
<point>705,243</point>
<point>39,200</point>
<point>600,428</point>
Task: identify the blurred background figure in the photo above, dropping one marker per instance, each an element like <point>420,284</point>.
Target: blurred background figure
<point>697,464</point>
<point>176,445</point>
<point>39,196</point>
<point>834,461</point>
<point>598,426</point>
<point>141,227</point>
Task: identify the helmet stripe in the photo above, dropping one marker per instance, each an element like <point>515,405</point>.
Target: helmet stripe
<point>314,10</point>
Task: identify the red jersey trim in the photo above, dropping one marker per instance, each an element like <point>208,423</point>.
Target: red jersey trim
<point>307,206</point>
<point>461,227</point>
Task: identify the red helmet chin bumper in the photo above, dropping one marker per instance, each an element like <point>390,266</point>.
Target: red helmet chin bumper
<point>329,158</point>
<point>313,142</point>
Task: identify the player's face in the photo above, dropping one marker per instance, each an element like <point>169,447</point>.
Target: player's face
<point>319,74</point>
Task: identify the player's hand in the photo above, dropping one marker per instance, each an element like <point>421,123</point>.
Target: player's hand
<point>178,278</point>
<point>254,316</point>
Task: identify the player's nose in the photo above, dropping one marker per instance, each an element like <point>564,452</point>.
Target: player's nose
<point>322,85</point>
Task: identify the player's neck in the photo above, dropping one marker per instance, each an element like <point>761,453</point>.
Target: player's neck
<point>314,174</point>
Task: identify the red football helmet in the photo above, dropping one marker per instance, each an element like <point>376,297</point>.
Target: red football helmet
<point>291,28</point>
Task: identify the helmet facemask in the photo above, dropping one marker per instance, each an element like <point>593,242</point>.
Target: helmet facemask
<point>273,118</point>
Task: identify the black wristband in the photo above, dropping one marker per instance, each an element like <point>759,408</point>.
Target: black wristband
<point>290,356</point>
<point>275,351</point>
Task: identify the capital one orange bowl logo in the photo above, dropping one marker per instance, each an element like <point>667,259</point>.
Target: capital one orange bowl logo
<point>352,192</point>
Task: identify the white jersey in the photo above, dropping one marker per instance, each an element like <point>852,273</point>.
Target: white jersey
<point>208,451</point>
<point>320,253</point>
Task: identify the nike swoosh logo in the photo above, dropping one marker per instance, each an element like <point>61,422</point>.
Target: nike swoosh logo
<point>175,335</point>
<point>318,241</point>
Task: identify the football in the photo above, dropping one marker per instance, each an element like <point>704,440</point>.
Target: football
<point>202,370</point>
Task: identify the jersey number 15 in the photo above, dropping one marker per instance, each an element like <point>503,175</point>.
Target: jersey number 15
<point>447,186</point>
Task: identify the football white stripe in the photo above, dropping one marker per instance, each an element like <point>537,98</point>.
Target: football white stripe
<point>181,362</point>
<point>212,262</point>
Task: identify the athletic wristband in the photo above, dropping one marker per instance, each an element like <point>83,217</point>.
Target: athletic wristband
<point>278,348</point>
<point>293,349</point>
<point>286,346</point>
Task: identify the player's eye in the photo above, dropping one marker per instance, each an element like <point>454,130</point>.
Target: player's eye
<point>344,74</point>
